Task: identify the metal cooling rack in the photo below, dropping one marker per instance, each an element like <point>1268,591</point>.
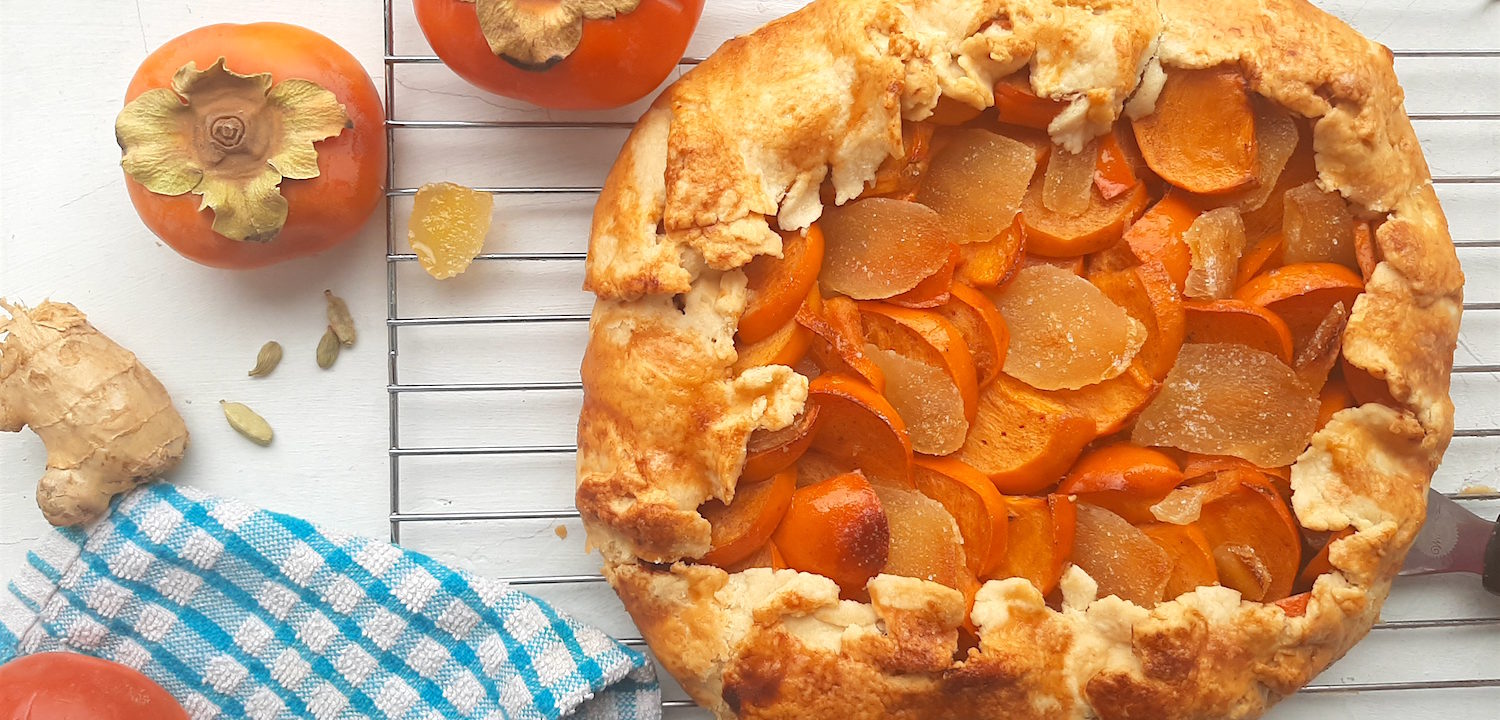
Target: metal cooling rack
<point>676,705</point>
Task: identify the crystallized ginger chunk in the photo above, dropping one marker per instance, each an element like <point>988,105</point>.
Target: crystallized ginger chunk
<point>1064,333</point>
<point>447,227</point>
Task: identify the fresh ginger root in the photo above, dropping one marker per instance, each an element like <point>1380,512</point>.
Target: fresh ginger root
<point>107,422</point>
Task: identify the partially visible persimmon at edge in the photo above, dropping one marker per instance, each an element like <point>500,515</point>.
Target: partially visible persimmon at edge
<point>975,504</point>
<point>1122,467</point>
<point>785,346</point>
<point>1192,557</point>
<point>770,451</point>
<point>1016,104</point>
<point>927,337</point>
<point>1197,465</point>
<point>1302,294</point>
<point>1366,388</point>
<point>1201,136</point>
<point>1040,539</point>
<point>933,290</point>
<point>991,263</point>
<point>776,287</point>
<point>1113,173</point>
<point>1255,515</point>
<point>1365,254</point>
<point>1334,396</point>
<point>1320,564</point>
<point>1147,293</point>
<point>1023,441</point>
<point>839,345</point>
<point>767,556</point>
<point>983,329</point>
<point>838,529</point>
<point>949,112</point>
<point>1157,236</point>
<point>1261,256</point>
<point>858,426</point>
<point>1237,321</point>
<point>746,523</point>
<point>1054,234</point>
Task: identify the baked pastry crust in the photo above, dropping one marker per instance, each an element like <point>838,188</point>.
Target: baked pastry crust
<point>664,422</point>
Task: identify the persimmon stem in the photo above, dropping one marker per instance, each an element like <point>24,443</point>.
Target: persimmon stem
<point>226,132</point>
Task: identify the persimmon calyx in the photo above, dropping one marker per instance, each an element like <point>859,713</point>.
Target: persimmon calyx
<point>231,139</point>
<point>537,34</point>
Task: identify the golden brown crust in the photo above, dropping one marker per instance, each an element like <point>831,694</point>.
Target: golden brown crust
<point>665,419</point>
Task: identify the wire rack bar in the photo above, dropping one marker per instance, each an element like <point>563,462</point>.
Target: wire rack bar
<point>483,450</point>
<point>485,387</point>
<point>486,319</point>
<point>530,257</point>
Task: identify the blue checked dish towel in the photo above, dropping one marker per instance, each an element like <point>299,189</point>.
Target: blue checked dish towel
<point>244,613</point>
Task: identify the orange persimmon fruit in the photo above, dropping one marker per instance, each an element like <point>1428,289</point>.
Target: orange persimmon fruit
<point>1237,321</point>
<point>1021,439</point>
<point>768,452</point>
<point>1302,294</point>
<point>746,523</point>
<point>975,504</point>
<point>777,287</point>
<point>1201,137</point>
<point>858,426</point>
<point>1040,539</point>
<point>836,528</point>
<point>983,329</point>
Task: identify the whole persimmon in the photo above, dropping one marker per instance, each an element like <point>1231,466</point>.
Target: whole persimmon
<point>69,686</point>
<point>561,54</point>
<point>247,145</point>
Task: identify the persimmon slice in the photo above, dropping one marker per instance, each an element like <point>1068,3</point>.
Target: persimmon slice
<point>770,451</point>
<point>990,263</point>
<point>1236,321</point>
<point>1259,257</point>
<point>777,287</point>
<point>879,247</point>
<point>1192,558</point>
<point>927,337</point>
<point>1157,235</point>
<point>1123,560</point>
<point>859,427</point>
<point>982,327</point>
<point>976,182</point>
<point>925,540</point>
<point>838,529</point>
<point>1253,517</point>
<point>1202,136</point>
<point>975,504</point>
<point>899,175</point>
<point>1146,292</point>
<point>927,400</point>
<point>1022,440</point>
<point>1227,399</point>
<point>1320,564</point>
<point>1334,396</point>
<point>767,556</point>
<point>1276,138</point>
<point>1041,536</point>
<point>1301,294</point>
<point>1123,467</point>
<point>1064,332</point>
<point>934,289</point>
<point>839,345</point>
<point>1100,225</point>
<point>1318,227</point>
<point>1111,404</point>
<point>785,346</point>
<point>1016,104</point>
<point>1364,249</point>
<point>1114,173</point>
<point>746,523</point>
<point>1215,241</point>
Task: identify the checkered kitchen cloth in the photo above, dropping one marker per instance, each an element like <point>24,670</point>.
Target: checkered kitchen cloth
<point>244,613</point>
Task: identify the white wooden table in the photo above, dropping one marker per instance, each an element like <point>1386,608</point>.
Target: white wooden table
<point>67,231</point>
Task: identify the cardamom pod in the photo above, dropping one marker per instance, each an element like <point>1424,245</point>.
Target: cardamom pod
<point>339,318</point>
<point>328,348</point>
<point>267,360</point>
<point>246,422</point>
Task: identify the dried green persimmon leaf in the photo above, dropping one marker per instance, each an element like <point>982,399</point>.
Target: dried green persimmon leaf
<point>309,113</point>
<point>539,35</point>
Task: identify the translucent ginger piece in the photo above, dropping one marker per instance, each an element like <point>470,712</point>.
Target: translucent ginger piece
<point>447,227</point>
<point>976,183</point>
<point>1125,562</point>
<point>1068,181</point>
<point>1242,568</point>
<point>879,247</point>
<point>1318,227</point>
<point>1229,399</point>
<point>926,397</point>
<point>1275,141</point>
<point>1316,359</point>
<point>1064,332</point>
<point>1184,505</point>
<point>1215,241</point>
<point>925,542</point>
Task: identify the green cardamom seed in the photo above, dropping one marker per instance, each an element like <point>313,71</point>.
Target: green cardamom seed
<point>328,348</point>
<point>267,360</point>
<point>339,318</point>
<point>246,422</point>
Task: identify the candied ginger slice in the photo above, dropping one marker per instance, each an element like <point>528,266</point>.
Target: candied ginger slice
<point>1215,241</point>
<point>447,227</point>
<point>1275,141</point>
<point>1230,399</point>
<point>1064,332</point>
<point>1317,226</point>
<point>925,542</point>
<point>1068,182</point>
<point>880,247</point>
<point>976,183</point>
<point>926,398</point>
<point>1125,562</point>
